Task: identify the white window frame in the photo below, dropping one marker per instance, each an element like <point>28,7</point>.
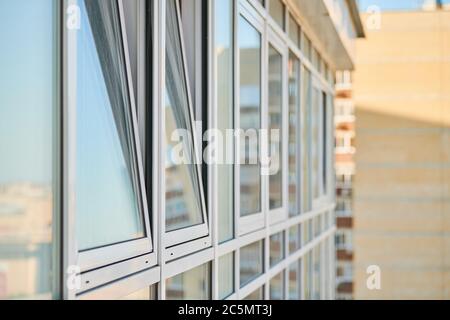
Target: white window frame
<point>279,214</point>
<point>196,237</point>
<point>254,221</point>
<point>98,266</point>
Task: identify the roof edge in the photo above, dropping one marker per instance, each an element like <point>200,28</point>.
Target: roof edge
<point>354,12</point>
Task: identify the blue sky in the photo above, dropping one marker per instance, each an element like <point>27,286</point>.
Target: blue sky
<point>389,5</point>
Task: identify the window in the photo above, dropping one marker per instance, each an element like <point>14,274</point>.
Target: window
<point>277,12</point>
<point>275,123</point>
<point>250,122</point>
<point>143,294</point>
<point>194,284</point>
<point>251,262</point>
<point>308,274</point>
<point>316,142</point>
<point>294,31</point>
<point>306,46</point>
<point>112,219</point>
<point>276,287</point>
<point>315,59</point>
<point>317,275</point>
<point>224,48</point>
<point>306,196</point>
<point>29,157</point>
<point>294,239</point>
<point>294,133</point>
<point>185,208</point>
<point>226,275</point>
<point>276,248</point>
<point>320,148</point>
<point>294,280</point>
<point>256,295</point>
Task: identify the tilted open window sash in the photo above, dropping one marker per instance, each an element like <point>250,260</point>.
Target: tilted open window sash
<point>185,210</point>
<point>112,220</point>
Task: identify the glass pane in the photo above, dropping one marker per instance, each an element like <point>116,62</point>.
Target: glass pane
<point>305,141</point>
<point>324,123</point>
<point>143,294</point>
<point>294,131</point>
<point>317,278</point>
<point>251,262</point>
<point>294,30</point>
<point>225,117</point>
<point>107,186</point>
<point>294,278</point>
<point>315,142</point>
<point>277,287</point>
<point>276,10</point>
<point>250,117</point>
<point>306,46</point>
<point>308,276</point>
<point>190,285</point>
<point>28,129</point>
<point>258,294</point>
<point>276,248</point>
<point>275,123</point>
<point>294,239</point>
<point>183,200</point>
<point>226,275</point>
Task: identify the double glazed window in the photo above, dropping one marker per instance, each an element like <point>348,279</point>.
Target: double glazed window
<point>184,209</point>
<point>250,122</point>
<point>251,262</point>
<point>250,116</point>
<point>320,153</point>
<point>275,123</point>
<point>294,150</point>
<point>111,209</point>
<point>194,284</point>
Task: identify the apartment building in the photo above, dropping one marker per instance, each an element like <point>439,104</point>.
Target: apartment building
<point>401,202</point>
<point>99,101</point>
<point>344,119</point>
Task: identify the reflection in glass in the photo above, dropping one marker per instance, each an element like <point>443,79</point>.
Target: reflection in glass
<point>225,118</point>
<point>250,116</point>
<point>308,275</point>
<point>107,189</point>
<point>294,131</point>
<point>276,248</point>
<point>317,277</point>
<point>226,275</point>
<point>293,280</point>
<point>294,30</point>
<point>275,123</point>
<point>315,142</point>
<point>276,287</point>
<point>251,262</point>
<point>194,284</point>
<point>276,10</point>
<point>258,294</point>
<point>183,200</point>
<point>306,46</point>
<point>305,141</point>
<point>28,127</point>
<point>294,239</point>
<point>148,293</point>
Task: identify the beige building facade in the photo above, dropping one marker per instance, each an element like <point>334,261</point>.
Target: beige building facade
<point>402,194</point>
